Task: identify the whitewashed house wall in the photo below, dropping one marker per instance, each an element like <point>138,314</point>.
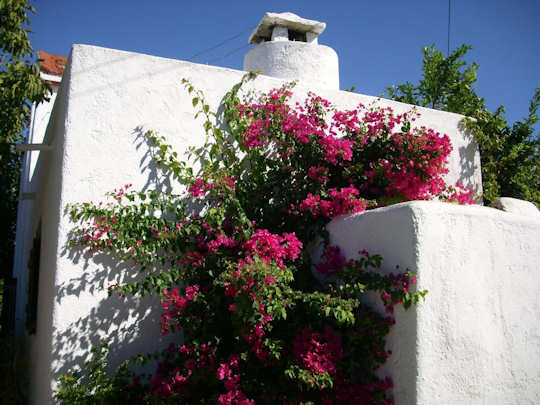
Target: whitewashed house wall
<point>106,100</point>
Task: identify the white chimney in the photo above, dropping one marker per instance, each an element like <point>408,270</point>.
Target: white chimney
<point>287,48</point>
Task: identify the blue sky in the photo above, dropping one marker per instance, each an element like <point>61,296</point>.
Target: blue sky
<point>379,43</point>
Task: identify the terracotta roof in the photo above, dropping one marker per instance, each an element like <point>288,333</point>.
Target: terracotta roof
<point>52,64</point>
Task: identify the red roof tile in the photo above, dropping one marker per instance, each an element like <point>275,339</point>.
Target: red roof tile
<point>52,64</point>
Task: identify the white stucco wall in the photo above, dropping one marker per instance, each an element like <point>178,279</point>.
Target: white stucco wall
<point>310,64</point>
<point>106,100</point>
<point>41,114</point>
<point>34,351</point>
<point>476,338</point>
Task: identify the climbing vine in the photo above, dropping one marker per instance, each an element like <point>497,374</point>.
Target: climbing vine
<point>231,256</point>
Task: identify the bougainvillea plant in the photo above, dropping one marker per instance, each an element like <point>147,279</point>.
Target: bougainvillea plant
<point>231,256</point>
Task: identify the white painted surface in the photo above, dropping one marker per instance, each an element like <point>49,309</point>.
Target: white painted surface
<point>47,209</point>
<point>41,114</point>
<point>476,338</point>
<point>312,38</point>
<point>310,64</point>
<point>56,79</point>
<point>107,99</point>
<point>280,33</point>
<point>270,21</point>
<point>516,206</point>
<point>40,120</point>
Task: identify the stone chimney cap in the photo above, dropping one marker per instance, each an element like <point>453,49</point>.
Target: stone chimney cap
<point>263,32</point>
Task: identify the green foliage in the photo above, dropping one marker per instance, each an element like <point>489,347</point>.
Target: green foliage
<point>95,387</point>
<point>20,86</point>
<point>446,84</point>
<point>231,261</point>
<point>510,155</point>
<point>19,76</point>
<point>13,372</point>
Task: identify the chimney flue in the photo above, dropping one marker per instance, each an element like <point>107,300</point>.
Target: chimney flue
<point>287,48</point>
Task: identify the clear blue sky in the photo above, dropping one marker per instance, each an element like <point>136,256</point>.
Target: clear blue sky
<point>379,43</point>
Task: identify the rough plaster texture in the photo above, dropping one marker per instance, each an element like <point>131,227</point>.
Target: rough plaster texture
<point>516,206</point>
<point>309,63</point>
<point>106,100</point>
<point>476,337</point>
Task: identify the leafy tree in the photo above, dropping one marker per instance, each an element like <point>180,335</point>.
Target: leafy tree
<point>20,87</point>
<point>510,155</point>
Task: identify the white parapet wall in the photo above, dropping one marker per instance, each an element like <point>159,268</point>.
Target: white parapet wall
<point>476,337</point>
<point>107,99</point>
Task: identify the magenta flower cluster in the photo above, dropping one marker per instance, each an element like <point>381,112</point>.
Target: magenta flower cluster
<point>270,247</point>
<point>173,305</point>
<point>390,160</point>
<point>344,201</point>
<point>237,278</point>
<point>318,352</point>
